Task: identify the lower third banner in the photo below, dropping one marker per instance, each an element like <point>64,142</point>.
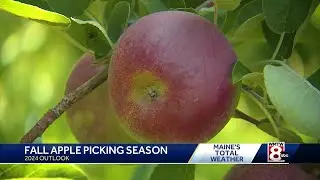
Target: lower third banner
<point>160,153</point>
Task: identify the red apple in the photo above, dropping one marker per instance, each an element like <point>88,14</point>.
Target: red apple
<point>170,78</point>
<point>90,119</point>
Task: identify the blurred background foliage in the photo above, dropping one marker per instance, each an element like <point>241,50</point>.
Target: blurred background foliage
<point>35,62</point>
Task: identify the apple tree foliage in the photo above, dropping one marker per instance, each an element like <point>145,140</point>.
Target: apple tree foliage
<point>276,41</point>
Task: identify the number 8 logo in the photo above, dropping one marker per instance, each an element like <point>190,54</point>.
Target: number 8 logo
<point>275,154</point>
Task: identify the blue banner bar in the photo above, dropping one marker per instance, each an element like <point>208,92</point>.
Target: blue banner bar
<point>160,153</point>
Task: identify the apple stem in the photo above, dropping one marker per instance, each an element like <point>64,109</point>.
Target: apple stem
<point>215,18</point>
<point>52,114</point>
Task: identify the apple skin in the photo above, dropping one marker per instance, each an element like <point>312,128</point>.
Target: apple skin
<point>267,172</point>
<point>90,119</point>
<point>170,79</point>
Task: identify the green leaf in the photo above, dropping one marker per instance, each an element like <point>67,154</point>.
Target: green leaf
<point>243,74</point>
<point>109,7</point>
<point>174,171</point>
<point>165,171</point>
<point>254,80</point>
<point>228,5</point>
<point>272,38</point>
<point>248,11</point>
<point>148,7</point>
<point>296,99</point>
<point>296,63</point>
<point>249,28</point>
<point>285,15</point>
<point>42,171</point>
<point>193,3</point>
<point>249,107</point>
<point>209,14</point>
<point>118,20</point>
<point>174,4</point>
<point>34,13</point>
<point>96,10</point>
<point>144,172</point>
<point>308,47</point>
<point>229,24</point>
<point>314,79</point>
<point>239,71</point>
<point>90,35</point>
<point>70,8</point>
<point>286,135</point>
<point>315,18</point>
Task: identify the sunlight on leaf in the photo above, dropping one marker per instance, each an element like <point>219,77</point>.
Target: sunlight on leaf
<point>247,29</point>
<point>41,88</point>
<point>296,63</point>
<point>315,18</point>
<point>10,49</point>
<point>29,43</point>
<point>241,131</point>
<point>250,108</point>
<point>34,13</point>
<point>70,8</point>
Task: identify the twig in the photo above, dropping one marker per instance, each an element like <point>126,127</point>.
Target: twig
<point>253,96</point>
<point>54,113</point>
<point>239,114</point>
<point>215,18</point>
<point>253,93</point>
<point>275,53</point>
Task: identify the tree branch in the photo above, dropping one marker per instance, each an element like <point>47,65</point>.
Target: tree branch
<point>38,129</point>
<point>239,114</point>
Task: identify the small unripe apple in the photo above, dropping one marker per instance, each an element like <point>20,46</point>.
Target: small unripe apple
<point>90,119</point>
<point>267,172</point>
<point>170,78</point>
